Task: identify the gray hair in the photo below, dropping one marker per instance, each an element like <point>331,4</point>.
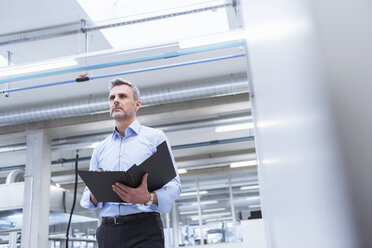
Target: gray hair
<point>119,81</point>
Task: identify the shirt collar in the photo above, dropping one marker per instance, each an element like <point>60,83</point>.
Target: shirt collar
<point>133,129</point>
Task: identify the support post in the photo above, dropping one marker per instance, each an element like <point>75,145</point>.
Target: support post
<point>167,220</point>
<point>35,225</point>
<point>176,227</point>
<point>13,239</point>
<point>199,212</point>
<point>233,210</point>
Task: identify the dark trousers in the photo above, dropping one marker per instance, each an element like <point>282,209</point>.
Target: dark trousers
<point>144,232</point>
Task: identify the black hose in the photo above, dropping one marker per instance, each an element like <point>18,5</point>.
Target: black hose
<point>74,202</point>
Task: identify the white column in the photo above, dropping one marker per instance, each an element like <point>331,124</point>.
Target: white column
<point>233,210</point>
<point>35,225</point>
<point>304,196</point>
<point>167,220</point>
<point>176,227</point>
<point>199,212</point>
<point>13,239</point>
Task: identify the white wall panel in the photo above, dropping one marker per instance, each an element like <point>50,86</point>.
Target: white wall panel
<point>302,183</point>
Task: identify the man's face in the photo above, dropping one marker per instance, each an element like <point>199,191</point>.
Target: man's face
<point>122,104</point>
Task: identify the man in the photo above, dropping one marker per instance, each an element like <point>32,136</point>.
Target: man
<point>135,223</point>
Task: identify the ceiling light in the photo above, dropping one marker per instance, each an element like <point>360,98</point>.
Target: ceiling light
<point>213,210</point>
<point>94,145</point>
<point>254,206</point>
<point>196,217</point>
<point>213,39</point>
<point>248,187</point>
<point>203,192</point>
<point>204,203</point>
<point>15,216</point>
<point>243,164</point>
<point>188,212</point>
<point>235,127</point>
<point>218,219</point>
<point>253,198</point>
<point>182,171</point>
<point>41,66</point>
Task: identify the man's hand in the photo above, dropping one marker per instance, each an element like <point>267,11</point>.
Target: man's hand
<point>139,195</point>
<point>93,199</point>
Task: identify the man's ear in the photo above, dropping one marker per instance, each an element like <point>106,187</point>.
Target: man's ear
<point>138,105</point>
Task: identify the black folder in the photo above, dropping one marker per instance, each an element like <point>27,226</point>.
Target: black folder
<point>159,167</point>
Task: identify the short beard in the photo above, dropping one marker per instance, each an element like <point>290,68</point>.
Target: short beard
<point>121,117</point>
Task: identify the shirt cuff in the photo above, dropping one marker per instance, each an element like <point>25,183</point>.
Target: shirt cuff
<point>164,202</point>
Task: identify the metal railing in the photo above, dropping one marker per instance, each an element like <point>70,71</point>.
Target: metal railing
<point>13,238</point>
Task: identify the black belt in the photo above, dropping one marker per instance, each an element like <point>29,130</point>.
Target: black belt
<point>121,219</point>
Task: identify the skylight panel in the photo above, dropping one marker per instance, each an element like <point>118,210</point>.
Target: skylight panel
<point>164,30</point>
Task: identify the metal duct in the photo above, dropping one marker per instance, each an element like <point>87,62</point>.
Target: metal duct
<point>89,106</point>
<point>15,176</point>
<point>82,141</point>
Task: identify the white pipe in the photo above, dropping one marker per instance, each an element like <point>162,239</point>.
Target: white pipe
<point>90,106</point>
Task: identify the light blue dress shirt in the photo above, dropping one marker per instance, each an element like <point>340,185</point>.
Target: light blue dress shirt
<point>119,154</point>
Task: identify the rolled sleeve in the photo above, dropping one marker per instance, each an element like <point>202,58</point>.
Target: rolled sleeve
<point>167,195</point>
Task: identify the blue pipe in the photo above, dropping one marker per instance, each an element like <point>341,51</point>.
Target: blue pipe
<point>128,61</point>
<point>126,72</point>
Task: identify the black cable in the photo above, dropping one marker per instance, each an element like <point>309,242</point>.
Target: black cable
<point>74,202</point>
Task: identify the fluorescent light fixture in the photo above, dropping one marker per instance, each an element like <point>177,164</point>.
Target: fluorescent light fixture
<point>196,217</point>
<point>254,206</point>
<point>212,39</point>
<point>213,210</point>
<point>203,192</point>
<point>218,219</point>
<point>188,212</point>
<point>204,211</point>
<point>249,187</point>
<point>235,127</point>
<point>182,171</point>
<point>14,216</point>
<point>253,198</point>
<point>41,66</point>
<point>94,145</point>
<point>243,164</point>
<point>57,188</point>
<point>204,203</point>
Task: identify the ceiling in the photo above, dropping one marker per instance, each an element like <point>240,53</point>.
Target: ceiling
<point>189,124</point>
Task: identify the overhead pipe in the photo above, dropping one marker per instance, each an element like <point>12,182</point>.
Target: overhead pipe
<point>127,61</point>
<point>15,176</point>
<point>177,147</point>
<point>82,141</point>
<point>6,90</point>
<point>152,97</point>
